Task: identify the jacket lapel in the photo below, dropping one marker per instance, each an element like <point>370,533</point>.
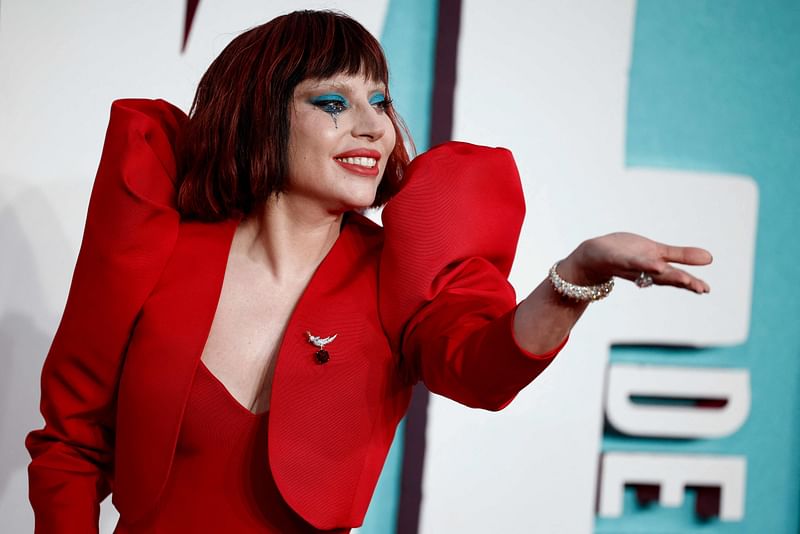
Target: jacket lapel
<point>327,421</point>
<point>161,360</point>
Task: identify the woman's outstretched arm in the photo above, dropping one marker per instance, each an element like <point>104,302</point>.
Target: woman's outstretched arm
<point>446,304</point>
<point>546,317</point>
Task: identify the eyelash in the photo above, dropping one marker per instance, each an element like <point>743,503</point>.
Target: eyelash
<point>332,107</point>
<point>335,106</point>
<point>383,105</point>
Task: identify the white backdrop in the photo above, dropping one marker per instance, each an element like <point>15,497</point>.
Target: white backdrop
<point>547,79</point>
<point>61,66</point>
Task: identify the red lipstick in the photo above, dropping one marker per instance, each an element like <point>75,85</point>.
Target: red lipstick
<point>359,167</point>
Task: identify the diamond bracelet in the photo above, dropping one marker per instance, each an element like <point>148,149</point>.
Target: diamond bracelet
<point>579,293</point>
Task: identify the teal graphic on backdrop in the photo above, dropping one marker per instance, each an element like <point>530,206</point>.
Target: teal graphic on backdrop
<point>713,87</point>
<point>716,86</point>
<point>409,40</point>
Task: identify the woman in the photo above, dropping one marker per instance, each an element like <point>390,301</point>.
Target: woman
<point>236,357</point>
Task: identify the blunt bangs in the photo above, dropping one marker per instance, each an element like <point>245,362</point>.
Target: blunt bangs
<point>337,45</point>
<point>232,155</point>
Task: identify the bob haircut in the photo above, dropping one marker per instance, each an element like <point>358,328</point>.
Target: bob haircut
<point>232,154</point>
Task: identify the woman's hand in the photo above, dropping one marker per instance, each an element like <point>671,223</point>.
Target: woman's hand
<point>545,317</point>
<point>628,255</point>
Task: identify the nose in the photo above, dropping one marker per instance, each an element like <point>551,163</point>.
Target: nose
<point>370,123</point>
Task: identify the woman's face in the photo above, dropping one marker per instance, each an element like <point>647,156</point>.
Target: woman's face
<point>339,141</point>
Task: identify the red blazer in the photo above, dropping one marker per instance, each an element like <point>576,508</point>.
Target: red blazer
<point>425,297</point>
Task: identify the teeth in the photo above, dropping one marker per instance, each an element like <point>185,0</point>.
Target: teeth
<point>363,162</point>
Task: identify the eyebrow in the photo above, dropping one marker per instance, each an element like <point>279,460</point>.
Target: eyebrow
<point>339,86</point>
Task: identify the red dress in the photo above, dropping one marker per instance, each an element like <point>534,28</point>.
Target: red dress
<point>425,298</point>
<point>220,479</point>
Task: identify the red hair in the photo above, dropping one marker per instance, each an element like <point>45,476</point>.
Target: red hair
<point>233,152</point>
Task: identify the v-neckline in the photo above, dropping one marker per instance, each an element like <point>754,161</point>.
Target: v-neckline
<point>234,223</point>
<point>202,367</point>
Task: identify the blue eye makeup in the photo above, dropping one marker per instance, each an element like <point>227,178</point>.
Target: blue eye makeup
<point>334,104</point>
<point>380,101</point>
<point>331,103</point>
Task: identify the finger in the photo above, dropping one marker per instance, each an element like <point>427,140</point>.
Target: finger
<point>647,264</point>
<point>672,277</point>
<point>685,255</point>
<point>682,279</point>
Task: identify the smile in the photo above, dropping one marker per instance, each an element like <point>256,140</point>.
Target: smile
<point>363,162</point>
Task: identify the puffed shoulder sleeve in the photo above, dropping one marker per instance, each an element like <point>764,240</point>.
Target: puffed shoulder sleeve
<point>131,228</point>
<point>445,301</point>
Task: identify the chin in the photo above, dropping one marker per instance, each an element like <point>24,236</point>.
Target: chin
<point>360,206</point>
<point>360,201</point>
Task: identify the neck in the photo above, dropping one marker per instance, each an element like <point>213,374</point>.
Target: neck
<point>289,237</point>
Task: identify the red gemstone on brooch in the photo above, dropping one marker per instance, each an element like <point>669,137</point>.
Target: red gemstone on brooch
<point>322,356</point>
